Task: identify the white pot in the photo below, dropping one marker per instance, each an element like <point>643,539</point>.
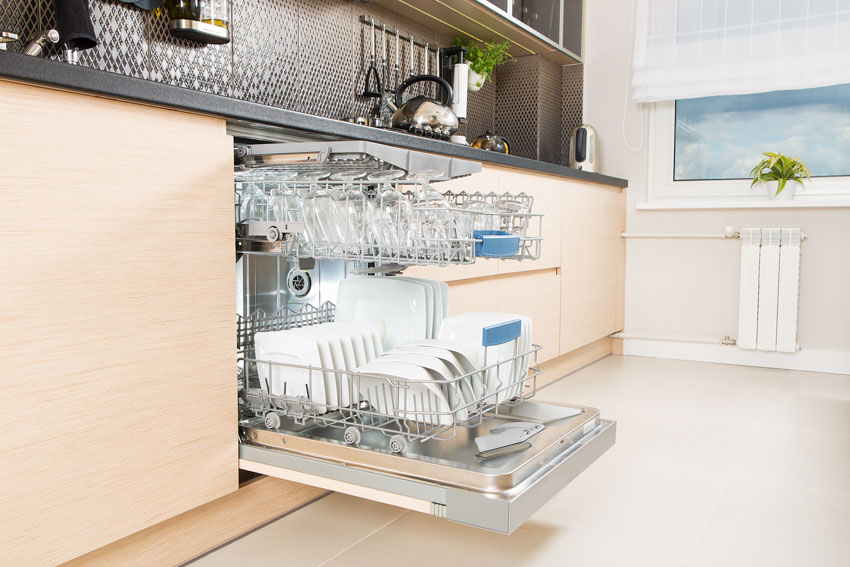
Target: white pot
<point>476,81</point>
<point>787,192</point>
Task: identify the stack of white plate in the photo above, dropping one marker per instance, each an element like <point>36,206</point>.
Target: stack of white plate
<point>440,382</point>
<point>507,379</point>
<point>329,347</point>
<point>402,309</point>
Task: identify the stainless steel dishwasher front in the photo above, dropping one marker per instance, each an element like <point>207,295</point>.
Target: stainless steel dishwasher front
<point>442,478</point>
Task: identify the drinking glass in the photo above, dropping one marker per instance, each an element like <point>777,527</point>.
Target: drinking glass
<point>391,215</point>
<point>432,217</point>
<point>284,198</point>
<point>514,217</point>
<point>316,203</point>
<point>485,215</point>
<point>352,213</point>
<point>254,203</point>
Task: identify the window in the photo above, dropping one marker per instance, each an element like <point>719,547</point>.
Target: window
<point>722,137</point>
<point>702,149</point>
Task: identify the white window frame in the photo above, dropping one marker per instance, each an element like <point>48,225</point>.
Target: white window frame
<point>664,193</point>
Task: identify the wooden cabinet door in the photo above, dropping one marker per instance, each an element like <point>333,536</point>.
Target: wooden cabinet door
<point>593,264</point>
<point>536,295</point>
<point>117,351</point>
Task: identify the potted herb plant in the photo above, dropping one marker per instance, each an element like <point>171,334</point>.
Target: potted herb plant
<point>782,169</point>
<point>482,59</point>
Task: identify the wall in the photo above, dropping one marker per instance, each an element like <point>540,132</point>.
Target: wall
<point>689,289</point>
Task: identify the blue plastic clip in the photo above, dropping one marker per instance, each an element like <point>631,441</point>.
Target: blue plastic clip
<point>501,333</point>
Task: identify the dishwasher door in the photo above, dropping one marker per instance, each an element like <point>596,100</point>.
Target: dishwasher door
<point>444,478</point>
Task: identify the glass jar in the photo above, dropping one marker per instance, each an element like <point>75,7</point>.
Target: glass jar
<point>215,12</point>
<point>183,9</point>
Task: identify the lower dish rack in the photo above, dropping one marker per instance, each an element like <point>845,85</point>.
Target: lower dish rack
<point>402,409</point>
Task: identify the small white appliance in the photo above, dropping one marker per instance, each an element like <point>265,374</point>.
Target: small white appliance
<point>583,154</point>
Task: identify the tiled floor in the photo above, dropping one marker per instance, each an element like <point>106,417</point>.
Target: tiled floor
<point>714,466</point>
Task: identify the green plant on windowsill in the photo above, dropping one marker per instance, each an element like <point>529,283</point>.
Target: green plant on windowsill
<point>782,169</point>
<point>482,59</point>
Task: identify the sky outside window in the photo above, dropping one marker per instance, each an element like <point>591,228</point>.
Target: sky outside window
<point>723,137</point>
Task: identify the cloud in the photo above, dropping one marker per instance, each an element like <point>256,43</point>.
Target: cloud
<point>725,143</point>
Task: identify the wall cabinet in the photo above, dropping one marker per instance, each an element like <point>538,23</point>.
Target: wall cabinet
<point>559,21</point>
<point>117,350</point>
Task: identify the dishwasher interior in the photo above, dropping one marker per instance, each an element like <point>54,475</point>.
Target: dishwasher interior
<point>323,229</point>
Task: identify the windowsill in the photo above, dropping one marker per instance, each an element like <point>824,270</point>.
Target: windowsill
<point>670,204</point>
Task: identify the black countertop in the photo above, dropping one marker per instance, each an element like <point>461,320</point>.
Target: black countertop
<point>62,75</point>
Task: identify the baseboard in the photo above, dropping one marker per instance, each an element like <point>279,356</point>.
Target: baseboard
<point>831,361</point>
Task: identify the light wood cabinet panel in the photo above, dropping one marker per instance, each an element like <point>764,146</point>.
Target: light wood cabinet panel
<point>117,382</point>
<point>536,295</point>
<point>473,295</point>
<point>593,264</point>
<point>480,269</point>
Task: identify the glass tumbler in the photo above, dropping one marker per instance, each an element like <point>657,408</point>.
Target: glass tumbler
<point>316,207</point>
<point>352,213</point>
<point>432,218</point>
<point>391,215</point>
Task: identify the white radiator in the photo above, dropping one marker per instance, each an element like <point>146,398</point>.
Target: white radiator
<point>770,284</point>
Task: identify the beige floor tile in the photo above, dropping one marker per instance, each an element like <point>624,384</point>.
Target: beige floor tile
<point>579,387</point>
<point>622,512</point>
<point>762,524</point>
<point>307,537</point>
<point>799,458</point>
<point>417,540</point>
<point>678,389</point>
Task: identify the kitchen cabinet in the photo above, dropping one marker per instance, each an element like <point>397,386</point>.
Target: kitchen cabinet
<point>559,21</point>
<point>576,288</point>
<point>551,28</point>
<point>117,339</point>
<point>593,263</point>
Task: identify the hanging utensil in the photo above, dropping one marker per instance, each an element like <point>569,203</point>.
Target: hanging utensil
<point>425,70</point>
<point>384,55</point>
<point>437,70</point>
<point>372,72</point>
<point>397,77</point>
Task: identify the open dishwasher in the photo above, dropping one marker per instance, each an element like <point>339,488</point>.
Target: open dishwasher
<point>471,447</point>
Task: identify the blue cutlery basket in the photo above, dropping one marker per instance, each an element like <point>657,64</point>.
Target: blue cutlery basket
<point>495,243</point>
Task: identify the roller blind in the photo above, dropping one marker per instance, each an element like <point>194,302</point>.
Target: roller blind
<point>698,48</point>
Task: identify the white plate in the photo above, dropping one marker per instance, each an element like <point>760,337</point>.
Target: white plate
<point>463,353</point>
<point>429,302</point>
<point>422,394</point>
<point>469,331</point>
<point>493,318</point>
<point>396,308</point>
<point>336,384</point>
<point>285,347</point>
<point>459,365</point>
<point>376,340</point>
<point>454,389</point>
<point>439,303</point>
<point>362,336</point>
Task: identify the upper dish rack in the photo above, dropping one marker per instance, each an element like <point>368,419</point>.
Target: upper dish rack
<point>344,203</point>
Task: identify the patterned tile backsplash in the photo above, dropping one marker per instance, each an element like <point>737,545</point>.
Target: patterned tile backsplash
<point>309,56</point>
